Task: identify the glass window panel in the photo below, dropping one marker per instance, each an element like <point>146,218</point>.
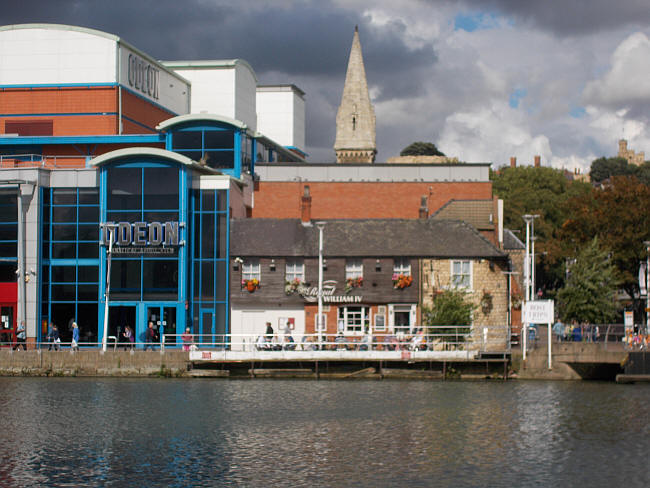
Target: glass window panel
<point>64,274</point>
<point>353,268</point>
<point>8,272</point>
<point>220,159</point>
<point>88,293</point>
<point>64,232</point>
<point>161,188</point>
<point>64,214</point>
<point>9,232</point>
<point>187,139</point>
<point>402,266</point>
<point>197,235</point>
<point>88,250</point>
<point>207,200</point>
<point>160,217</point>
<point>64,250</point>
<point>124,188</point>
<point>88,274</point>
<point>222,200</point>
<point>8,208</point>
<point>45,293</point>
<point>63,292</point>
<point>88,214</point>
<point>64,196</point>
<point>196,279</point>
<point>160,279</point>
<point>46,196</point>
<point>61,315</point>
<point>221,281</point>
<point>207,280</point>
<point>46,214</point>
<point>251,269</point>
<point>88,232</point>
<point>124,216</point>
<point>220,319</point>
<point>219,139</point>
<point>193,155</point>
<point>8,250</point>
<point>207,236</point>
<point>294,269</point>
<point>45,250</point>
<point>89,196</point>
<point>87,320</point>
<point>125,279</point>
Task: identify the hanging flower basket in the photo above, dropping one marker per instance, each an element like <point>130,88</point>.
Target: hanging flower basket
<point>486,303</point>
<point>292,286</point>
<point>401,281</point>
<point>351,283</point>
<point>251,285</point>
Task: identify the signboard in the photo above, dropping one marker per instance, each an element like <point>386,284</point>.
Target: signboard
<point>310,293</point>
<point>628,317</point>
<point>539,312</point>
<point>142,237</point>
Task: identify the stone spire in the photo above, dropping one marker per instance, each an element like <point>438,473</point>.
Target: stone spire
<point>355,120</point>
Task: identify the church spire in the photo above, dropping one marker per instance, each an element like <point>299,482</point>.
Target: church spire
<point>355,119</point>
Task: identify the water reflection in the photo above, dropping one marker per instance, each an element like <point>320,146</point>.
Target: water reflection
<point>108,432</point>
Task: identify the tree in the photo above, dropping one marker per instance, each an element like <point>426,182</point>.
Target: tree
<point>421,149</point>
<point>451,307</point>
<point>604,168</point>
<point>589,293</point>
<point>542,191</point>
<point>619,215</point>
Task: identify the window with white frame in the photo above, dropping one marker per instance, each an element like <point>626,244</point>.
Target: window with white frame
<point>355,319</point>
<point>251,270</point>
<point>353,268</point>
<point>402,266</point>
<point>461,274</point>
<point>380,318</point>
<point>295,270</point>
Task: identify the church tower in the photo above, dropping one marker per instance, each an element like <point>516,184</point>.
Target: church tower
<point>355,119</point>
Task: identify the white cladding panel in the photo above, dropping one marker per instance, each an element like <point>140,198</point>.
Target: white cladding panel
<point>54,56</point>
<point>213,90</point>
<point>150,80</point>
<point>245,103</point>
<point>281,117</point>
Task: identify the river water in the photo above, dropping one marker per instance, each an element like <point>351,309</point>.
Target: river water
<point>167,432</point>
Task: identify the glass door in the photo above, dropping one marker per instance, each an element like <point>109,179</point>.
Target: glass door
<point>7,325</point>
<point>164,322</point>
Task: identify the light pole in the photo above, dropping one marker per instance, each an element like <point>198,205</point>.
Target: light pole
<point>108,229</point>
<point>528,267</point>
<point>319,317</point>
<point>647,286</point>
<point>509,274</point>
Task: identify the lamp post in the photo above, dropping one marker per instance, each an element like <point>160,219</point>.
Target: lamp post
<point>509,274</point>
<point>319,317</point>
<point>647,286</point>
<point>528,274</point>
<point>109,229</point>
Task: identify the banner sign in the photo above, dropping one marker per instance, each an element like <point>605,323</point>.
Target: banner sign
<point>141,237</point>
<point>539,312</point>
<point>310,293</point>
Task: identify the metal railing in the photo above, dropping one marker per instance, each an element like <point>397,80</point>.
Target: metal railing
<point>41,161</point>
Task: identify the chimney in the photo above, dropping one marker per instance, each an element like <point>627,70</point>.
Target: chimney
<point>513,162</point>
<point>424,210</point>
<point>305,207</point>
<point>538,161</point>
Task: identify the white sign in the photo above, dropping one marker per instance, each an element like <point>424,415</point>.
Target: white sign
<point>539,312</point>
<point>629,319</point>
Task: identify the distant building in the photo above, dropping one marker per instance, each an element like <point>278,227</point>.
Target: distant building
<point>355,119</point>
<point>632,157</point>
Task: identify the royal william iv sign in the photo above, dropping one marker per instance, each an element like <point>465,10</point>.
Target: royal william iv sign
<point>142,237</point>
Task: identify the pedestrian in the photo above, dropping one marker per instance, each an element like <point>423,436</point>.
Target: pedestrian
<point>269,332</point>
<point>56,340</point>
<point>75,337</point>
<point>128,336</point>
<point>161,333</point>
<point>20,336</point>
<point>49,335</point>
<point>558,330</point>
<point>187,339</point>
<point>149,337</point>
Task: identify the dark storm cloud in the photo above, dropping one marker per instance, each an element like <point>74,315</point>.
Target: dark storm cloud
<point>571,17</point>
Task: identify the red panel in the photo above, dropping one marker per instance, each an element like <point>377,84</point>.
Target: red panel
<point>9,292</point>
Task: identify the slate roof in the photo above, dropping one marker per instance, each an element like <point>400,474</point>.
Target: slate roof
<point>475,212</point>
<point>511,241</point>
<point>368,237</point>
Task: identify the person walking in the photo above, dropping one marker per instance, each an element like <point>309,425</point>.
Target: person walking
<point>20,336</point>
<point>149,337</point>
<point>75,337</point>
<point>56,340</point>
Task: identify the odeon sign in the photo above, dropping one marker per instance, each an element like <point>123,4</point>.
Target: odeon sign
<point>142,237</point>
<point>143,76</point>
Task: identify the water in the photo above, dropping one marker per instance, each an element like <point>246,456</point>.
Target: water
<point>150,432</point>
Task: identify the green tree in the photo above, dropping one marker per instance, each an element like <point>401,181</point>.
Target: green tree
<point>604,168</point>
<point>619,215</point>
<point>421,149</point>
<point>542,191</point>
<point>589,293</point>
<point>451,307</point>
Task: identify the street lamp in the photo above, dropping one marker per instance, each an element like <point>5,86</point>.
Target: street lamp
<point>109,229</point>
<point>647,286</point>
<point>528,276</point>
<point>319,317</point>
<point>509,274</point>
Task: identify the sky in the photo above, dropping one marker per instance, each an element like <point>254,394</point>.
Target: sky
<point>482,79</point>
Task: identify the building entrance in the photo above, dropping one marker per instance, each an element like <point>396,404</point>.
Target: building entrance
<point>164,321</point>
<point>7,323</point>
<point>119,318</point>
